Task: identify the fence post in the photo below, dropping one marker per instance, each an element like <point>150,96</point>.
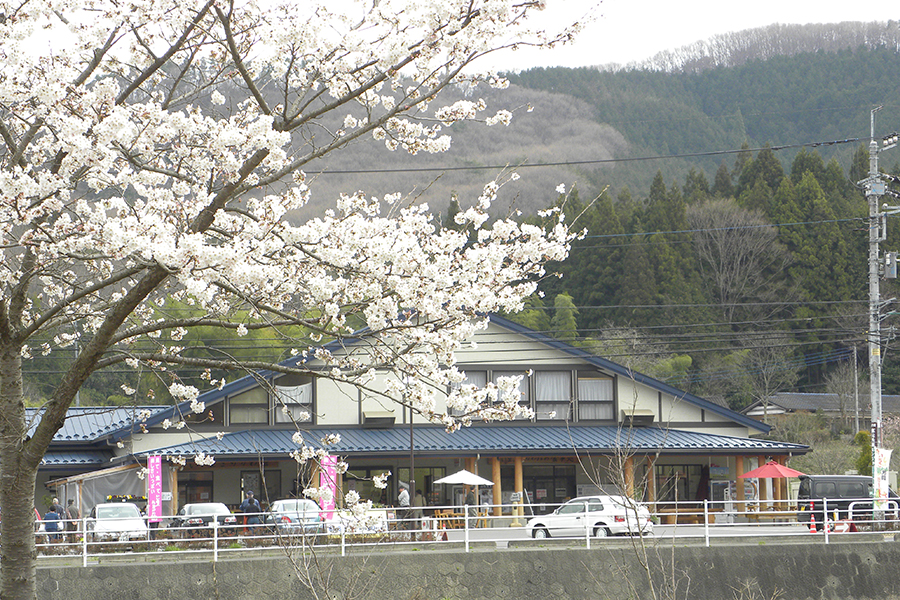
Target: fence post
<point>466,524</point>
<point>706,521</point>
<point>343,540</point>
<point>84,544</point>
<point>825,517</point>
<point>215,539</point>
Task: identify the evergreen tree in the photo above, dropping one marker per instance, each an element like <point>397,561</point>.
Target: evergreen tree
<point>722,186</point>
<point>767,166</point>
<point>534,316</point>
<point>859,164</point>
<point>452,210</point>
<point>807,162</point>
<point>564,323</point>
<point>638,290</point>
<point>758,198</point>
<point>696,187</point>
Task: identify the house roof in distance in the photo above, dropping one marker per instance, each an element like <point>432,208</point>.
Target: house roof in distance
<point>812,402</point>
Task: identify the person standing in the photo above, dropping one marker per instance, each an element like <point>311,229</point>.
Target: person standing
<point>251,509</point>
<point>73,515</point>
<point>470,502</point>
<point>403,501</point>
<point>51,523</point>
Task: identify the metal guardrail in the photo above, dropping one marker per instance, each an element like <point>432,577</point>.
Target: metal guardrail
<point>703,521</point>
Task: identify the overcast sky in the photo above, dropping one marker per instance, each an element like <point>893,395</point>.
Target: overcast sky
<point>629,30</point>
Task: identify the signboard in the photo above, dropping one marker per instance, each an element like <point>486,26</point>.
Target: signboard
<point>880,471</point>
<point>718,473</point>
<point>328,481</point>
<point>154,488</point>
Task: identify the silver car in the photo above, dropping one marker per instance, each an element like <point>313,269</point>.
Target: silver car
<point>599,516</point>
<point>295,516</point>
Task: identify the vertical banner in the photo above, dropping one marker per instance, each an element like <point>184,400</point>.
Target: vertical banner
<point>154,488</point>
<point>880,468</point>
<point>328,480</point>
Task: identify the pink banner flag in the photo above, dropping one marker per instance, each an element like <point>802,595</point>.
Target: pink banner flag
<point>154,488</point>
<point>328,480</point>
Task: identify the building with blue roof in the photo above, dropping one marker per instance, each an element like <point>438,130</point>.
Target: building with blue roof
<point>597,426</point>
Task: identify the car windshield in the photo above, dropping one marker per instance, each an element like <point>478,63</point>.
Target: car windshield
<point>125,511</point>
<point>207,509</point>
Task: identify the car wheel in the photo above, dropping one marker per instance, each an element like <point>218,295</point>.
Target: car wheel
<point>540,533</point>
<point>601,532</point>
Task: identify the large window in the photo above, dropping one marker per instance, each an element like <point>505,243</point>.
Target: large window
<point>552,395</point>
<point>525,399</point>
<point>595,398</point>
<point>250,407</point>
<point>294,400</point>
<point>476,378</point>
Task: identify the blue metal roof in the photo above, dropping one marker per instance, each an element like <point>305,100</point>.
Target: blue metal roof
<point>89,424</point>
<point>498,440</point>
<point>63,458</point>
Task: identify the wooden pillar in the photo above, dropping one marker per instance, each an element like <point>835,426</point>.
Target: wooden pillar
<point>498,493</point>
<point>651,483</point>
<point>173,487</point>
<point>780,487</point>
<point>765,492</point>
<point>738,471</point>
<point>628,466</point>
<point>520,489</point>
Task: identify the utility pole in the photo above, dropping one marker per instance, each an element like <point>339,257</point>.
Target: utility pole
<point>875,189</point>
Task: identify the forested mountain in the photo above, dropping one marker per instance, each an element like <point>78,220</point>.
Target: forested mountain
<point>726,245</point>
<point>762,43</point>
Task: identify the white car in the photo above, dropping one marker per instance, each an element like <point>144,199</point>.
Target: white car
<point>116,521</point>
<point>598,516</point>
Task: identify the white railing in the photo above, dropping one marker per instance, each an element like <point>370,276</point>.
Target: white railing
<point>703,521</point>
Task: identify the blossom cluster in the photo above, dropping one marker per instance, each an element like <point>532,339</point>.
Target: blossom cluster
<point>146,159</point>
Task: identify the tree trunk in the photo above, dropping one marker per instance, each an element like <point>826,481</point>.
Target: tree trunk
<point>17,481</point>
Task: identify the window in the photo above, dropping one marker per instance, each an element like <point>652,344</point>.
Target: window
<point>294,400</point>
<point>476,378</point>
<point>595,398</point>
<point>572,508</point>
<point>250,407</point>
<point>552,395</point>
<point>524,400</point>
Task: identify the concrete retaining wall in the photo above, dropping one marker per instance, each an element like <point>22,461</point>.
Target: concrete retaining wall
<point>851,571</point>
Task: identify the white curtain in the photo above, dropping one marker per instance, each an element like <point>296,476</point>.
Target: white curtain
<point>595,399</point>
<point>294,403</point>
<point>552,394</point>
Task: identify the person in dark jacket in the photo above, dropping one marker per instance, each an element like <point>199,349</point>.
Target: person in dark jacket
<point>251,509</point>
<point>52,525</point>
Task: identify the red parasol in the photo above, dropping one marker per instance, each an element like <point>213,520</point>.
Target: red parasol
<point>771,470</point>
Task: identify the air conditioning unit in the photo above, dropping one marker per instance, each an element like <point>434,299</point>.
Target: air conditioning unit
<point>637,417</point>
<point>377,419</point>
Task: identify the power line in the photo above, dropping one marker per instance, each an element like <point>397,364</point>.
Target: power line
<point>576,163</point>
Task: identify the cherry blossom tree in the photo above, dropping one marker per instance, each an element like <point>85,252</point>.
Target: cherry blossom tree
<point>151,152</point>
